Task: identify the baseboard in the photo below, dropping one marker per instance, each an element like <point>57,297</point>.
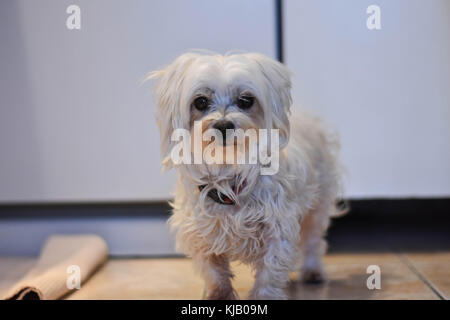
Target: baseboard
<point>413,224</point>
<point>84,210</point>
<point>360,209</point>
<point>140,229</point>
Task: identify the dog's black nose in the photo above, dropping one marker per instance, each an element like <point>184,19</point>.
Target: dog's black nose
<point>222,126</point>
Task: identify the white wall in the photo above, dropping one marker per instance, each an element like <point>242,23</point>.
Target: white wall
<point>387,91</point>
<point>135,236</point>
<point>75,125</point>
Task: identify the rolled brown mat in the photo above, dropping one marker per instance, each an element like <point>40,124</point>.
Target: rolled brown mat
<point>66,261</point>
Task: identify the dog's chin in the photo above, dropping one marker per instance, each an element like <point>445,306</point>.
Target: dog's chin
<point>226,176</point>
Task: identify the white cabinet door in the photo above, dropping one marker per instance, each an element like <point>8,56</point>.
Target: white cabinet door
<point>387,91</point>
<point>75,124</point>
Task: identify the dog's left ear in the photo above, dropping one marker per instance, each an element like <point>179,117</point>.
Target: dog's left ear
<point>170,113</point>
<point>278,100</point>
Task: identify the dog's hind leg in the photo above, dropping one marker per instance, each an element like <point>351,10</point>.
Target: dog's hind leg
<point>313,245</point>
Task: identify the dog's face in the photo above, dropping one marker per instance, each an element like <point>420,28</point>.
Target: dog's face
<point>239,91</point>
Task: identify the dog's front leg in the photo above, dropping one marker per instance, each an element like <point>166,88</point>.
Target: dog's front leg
<point>216,272</point>
<point>272,271</point>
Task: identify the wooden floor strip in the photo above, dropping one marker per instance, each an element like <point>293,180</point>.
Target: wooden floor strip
<point>434,268</point>
<point>404,276</point>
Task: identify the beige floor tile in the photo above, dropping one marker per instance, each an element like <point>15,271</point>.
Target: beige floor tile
<point>348,277</point>
<point>142,279</point>
<point>435,268</point>
<point>175,279</point>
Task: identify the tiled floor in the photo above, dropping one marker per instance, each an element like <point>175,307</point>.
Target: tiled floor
<point>403,276</point>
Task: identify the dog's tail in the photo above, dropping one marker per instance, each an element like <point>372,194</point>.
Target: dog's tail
<point>342,205</point>
<point>341,208</point>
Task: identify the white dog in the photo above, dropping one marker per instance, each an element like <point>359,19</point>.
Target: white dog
<point>229,212</point>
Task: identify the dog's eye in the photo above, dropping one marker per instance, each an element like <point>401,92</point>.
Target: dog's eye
<point>245,102</point>
<point>201,103</point>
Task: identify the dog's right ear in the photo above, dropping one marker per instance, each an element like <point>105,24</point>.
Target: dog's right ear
<point>170,113</point>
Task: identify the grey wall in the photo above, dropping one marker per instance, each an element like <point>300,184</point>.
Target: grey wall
<point>386,91</point>
<point>124,236</point>
<point>75,125</point>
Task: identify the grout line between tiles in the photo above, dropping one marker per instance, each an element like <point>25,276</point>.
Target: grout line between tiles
<point>416,271</point>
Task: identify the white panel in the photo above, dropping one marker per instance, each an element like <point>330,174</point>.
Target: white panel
<point>386,91</point>
<point>124,236</point>
<point>75,125</point>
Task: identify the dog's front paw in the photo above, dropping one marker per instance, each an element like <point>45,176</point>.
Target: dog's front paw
<point>222,294</point>
<point>313,276</point>
<point>268,293</point>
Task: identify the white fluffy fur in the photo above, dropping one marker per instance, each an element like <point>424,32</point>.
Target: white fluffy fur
<point>277,219</point>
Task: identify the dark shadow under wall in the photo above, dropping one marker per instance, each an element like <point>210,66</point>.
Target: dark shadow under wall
<point>376,225</point>
<point>407,225</point>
